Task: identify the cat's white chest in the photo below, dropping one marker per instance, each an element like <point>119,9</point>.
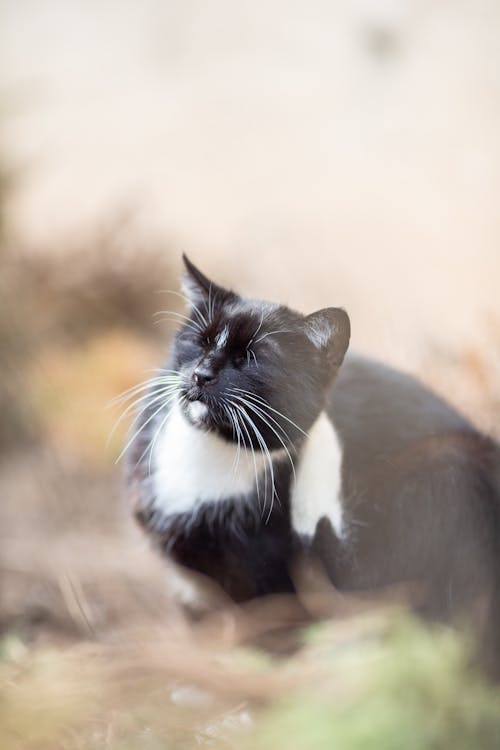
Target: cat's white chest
<point>192,467</point>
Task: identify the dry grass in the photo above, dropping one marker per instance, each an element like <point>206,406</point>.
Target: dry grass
<point>370,682</point>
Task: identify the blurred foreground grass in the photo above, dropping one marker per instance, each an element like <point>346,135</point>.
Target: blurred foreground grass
<point>381,682</point>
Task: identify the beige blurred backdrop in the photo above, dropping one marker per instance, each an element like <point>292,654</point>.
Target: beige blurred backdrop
<point>310,152</point>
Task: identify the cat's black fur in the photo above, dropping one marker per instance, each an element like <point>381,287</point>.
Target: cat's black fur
<point>420,484</point>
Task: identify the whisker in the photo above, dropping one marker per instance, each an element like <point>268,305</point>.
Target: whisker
<point>262,415</point>
<point>253,428</point>
<point>257,329</point>
<point>239,434</point>
<point>178,320</point>
<point>163,369</point>
<point>138,432</point>
<point>149,445</point>
<point>176,314</point>
<point>263,402</point>
<point>189,302</point>
<point>210,301</point>
<point>251,448</point>
<point>262,410</point>
<point>131,392</point>
<point>150,397</point>
<point>267,455</point>
<point>143,454</point>
<point>166,373</point>
<point>152,444</point>
<point>236,431</point>
<point>270,333</point>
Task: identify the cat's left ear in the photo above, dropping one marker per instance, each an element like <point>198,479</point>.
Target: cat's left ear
<point>329,330</point>
<point>199,288</point>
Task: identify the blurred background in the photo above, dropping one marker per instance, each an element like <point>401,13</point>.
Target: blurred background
<point>313,153</point>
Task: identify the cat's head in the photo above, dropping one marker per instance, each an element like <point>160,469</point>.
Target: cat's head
<point>252,369</point>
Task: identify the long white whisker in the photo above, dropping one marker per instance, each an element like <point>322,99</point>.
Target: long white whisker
<point>268,406</point>
<point>164,405</point>
<point>257,329</point>
<point>153,393</point>
<point>267,455</point>
<point>225,409</point>
<point>176,314</point>
<point>164,370</point>
<point>210,301</point>
<point>263,416</point>
<point>179,324</point>
<point>151,398</point>
<point>136,395</point>
<point>236,430</point>
<point>262,410</point>
<point>245,418</point>
<point>152,444</point>
<point>141,428</point>
<point>270,333</point>
<point>161,380</point>
<point>250,445</point>
<point>189,302</point>
<point>185,322</point>
<point>240,437</point>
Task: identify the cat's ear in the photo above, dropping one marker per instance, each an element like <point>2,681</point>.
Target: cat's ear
<point>329,330</point>
<point>198,288</point>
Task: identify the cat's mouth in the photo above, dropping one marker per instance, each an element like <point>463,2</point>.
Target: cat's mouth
<point>198,412</point>
<point>203,412</point>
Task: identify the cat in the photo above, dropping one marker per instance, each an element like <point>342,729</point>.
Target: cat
<point>263,440</point>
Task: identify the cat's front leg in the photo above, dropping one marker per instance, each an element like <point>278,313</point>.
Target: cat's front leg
<point>196,594</point>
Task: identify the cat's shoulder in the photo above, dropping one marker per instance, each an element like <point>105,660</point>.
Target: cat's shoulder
<point>375,404</point>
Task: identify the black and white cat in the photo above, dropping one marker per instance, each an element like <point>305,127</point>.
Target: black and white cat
<point>259,443</point>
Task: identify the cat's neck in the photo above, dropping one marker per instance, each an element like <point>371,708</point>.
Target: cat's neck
<point>191,467</point>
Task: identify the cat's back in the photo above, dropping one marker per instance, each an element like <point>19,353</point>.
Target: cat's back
<point>378,410</point>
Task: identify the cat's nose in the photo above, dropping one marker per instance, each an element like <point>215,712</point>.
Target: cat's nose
<point>203,375</point>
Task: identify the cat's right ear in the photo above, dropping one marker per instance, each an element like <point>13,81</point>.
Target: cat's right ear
<point>200,289</point>
<point>329,330</point>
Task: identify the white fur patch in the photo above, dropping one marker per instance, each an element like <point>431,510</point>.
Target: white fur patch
<point>197,411</point>
<point>222,337</point>
<point>192,466</point>
<point>317,491</point>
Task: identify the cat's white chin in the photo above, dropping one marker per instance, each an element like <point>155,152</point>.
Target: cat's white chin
<point>197,412</point>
